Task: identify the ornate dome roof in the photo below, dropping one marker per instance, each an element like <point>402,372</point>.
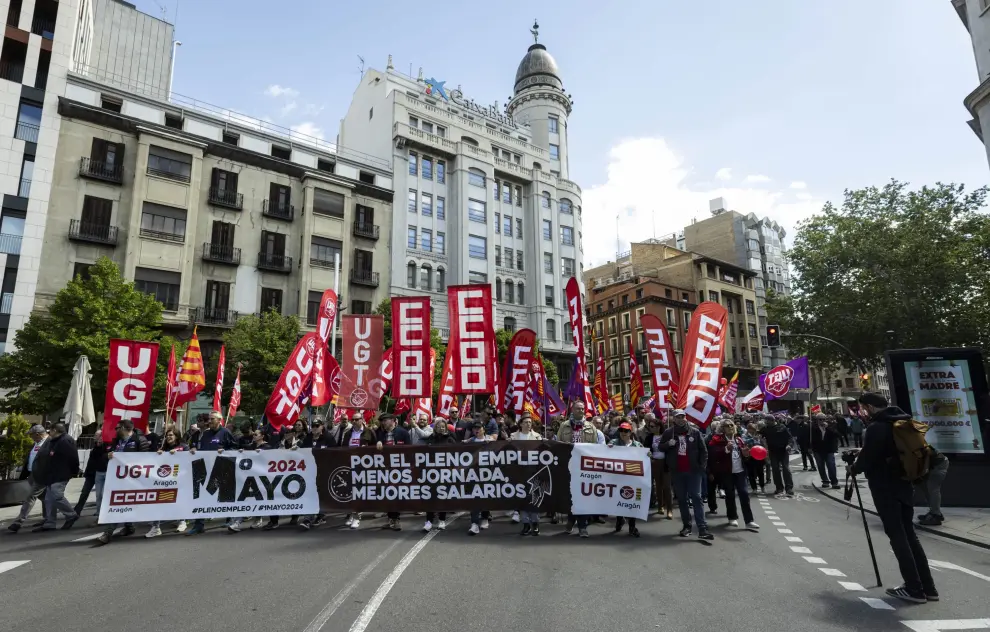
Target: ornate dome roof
<point>537,68</point>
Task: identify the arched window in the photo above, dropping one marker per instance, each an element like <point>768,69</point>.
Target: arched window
<point>441,280</point>
<point>510,292</point>
<point>425,282</point>
<point>476,177</point>
<point>551,330</point>
<point>545,199</point>
<point>565,206</point>
<point>510,323</point>
<point>537,165</point>
<point>411,275</point>
<point>469,141</point>
<point>498,290</point>
<point>519,294</point>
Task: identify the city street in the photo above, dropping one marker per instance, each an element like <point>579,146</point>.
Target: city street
<point>810,571</point>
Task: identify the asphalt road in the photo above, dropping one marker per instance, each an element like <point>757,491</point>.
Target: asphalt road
<point>334,579</point>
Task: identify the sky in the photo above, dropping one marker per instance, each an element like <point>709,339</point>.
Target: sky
<point>776,105</point>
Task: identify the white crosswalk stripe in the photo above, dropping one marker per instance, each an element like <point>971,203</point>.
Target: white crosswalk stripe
<point>9,566</point>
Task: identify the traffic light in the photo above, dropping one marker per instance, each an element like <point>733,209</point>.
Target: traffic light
<point>864,381</point>
<point>773,336</point>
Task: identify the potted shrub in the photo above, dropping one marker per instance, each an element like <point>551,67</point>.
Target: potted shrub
<point>15,443</point>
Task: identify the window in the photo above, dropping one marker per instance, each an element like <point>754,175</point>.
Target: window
<point>441,280</point>
<point>713,296</point>
<point>412,201</point>
<point>519,260</point>
<point>441,172</point>
<point>169,164</point>
<point>163,222</point>
<point>510,292</point>
<point>639,293</point>
<point>519,293</point>
<point>411,275</point>
<point>548,295</point>
<point>413,122</point>
<point>283,153</point>
<point>750,308</point>
<point>441,246</point>
<point>441,210</point>
<point>754,354</point>
<point>615,346</point>
<point>568,333</point>
<point>476,178</point>
<point>551,330</point>
<point>427,205</point>
<point>498,290</point>
<point>324,165</point>
<point>476,211</point>
<point>411,237</point>
<point>279,199</point>
<point>567,235</point>
<point>361,307</point>
<point>625,299</point>
<point>27,174</point>
<point>518,194</point>
<point>425,277</point>
<point>507,193</point>
<point>441,131</point>
<point>671,318</point>
<point>328,203</point>
<point>507,225</point>
<point>28,121</point>
<point>477,247</point>
<point>518,228</point>
<point>509,324</point>
<point>565,206</point>
<point>427,168</point>
<point>625,321</point>
<point>106,160</point>
<point>413,164</point>
<point>163,285</point>
<point>547,230</point>
<point>752,330</point>
<point>495,189</point>
<point>173,120</point>
<point>545,199</point>
<point>498,255</point>
<point>684,297</point>
<point>508,257</point>
<point>498,223</point>
<point>323,251</point>
<point>555,173</point>
<point>427,127</point>
<point>477,278</point>
<point>553,124</point>
<point>554,152</point>
<point>426,239</point>
<point>732,330</point>
<point>667,293</point>
<point>271,299</point>
<point>687,320</point>
<point>548,263</point>
<point>567,267</point>
<point>95,219</point>
<point>313,306</point>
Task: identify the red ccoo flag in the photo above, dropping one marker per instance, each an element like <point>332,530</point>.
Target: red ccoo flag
<point>636,388</point>
<point>170,386</point>
<point>218,391</point>
<point>235,397</point>
<point>192,375</point>
<point>701,366</point>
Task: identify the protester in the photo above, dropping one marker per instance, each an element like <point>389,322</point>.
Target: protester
<point>171,442</point>
<point>625,440</point>
<point>575,430</point>
<point>63,465</point>
<point>803,438</point>
<point>937,469</point>
<point>441,436</point>
<point>477,436</point>
<point>777,440</point>
<point>388,435</point>
<point>688,459</point>
<point>94,475</point>
<point>842,431</point>
<point>727,456</point>
<point>825,443</point>
<point>856,427</point>
<point>754,468</point>
<point>33,470</point>
<point>128,440</point>
<point>893,498</point>
<point>420,431</point>
<point>659,468</point>
<point>215,438</point>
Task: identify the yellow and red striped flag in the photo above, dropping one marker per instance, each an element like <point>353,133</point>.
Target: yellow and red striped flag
<point>192,374</point>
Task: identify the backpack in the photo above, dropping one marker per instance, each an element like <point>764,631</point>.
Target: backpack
<point>913,450</point>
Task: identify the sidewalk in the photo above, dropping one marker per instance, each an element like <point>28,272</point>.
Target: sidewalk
<point>966,524</point>
<point>72,490</point>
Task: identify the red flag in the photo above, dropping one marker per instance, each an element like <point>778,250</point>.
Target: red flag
<point>130,380</point>
<point>326,315</point>
<point>601,385</point>
<point>284,404</point>
<point>636,388</point>
<point>363,337</point>
<point>192,374</point>
<point>517,368</point>
<point>727,395</point>
<point>218,391</point>
<point>573,291</point>
<point>447,397</point>
<point>411,347</point>
<point>472,338</point>
<point>424,405</point>
<point>466,406</point>
<point>402,406</point>
<point>701,366</point>
<point>664,375</point>
<point>381,384</point>
<point>531,402</point>
<point>235,396</point>
<point>170,385</point>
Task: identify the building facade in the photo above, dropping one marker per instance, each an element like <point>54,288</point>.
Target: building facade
<point>216,219</point>
<point>482,193</point>
<point>975,16</point>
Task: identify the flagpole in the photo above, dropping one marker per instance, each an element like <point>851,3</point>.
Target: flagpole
<point>333,325</point>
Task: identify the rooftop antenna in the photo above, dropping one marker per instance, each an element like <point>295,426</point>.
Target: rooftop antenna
<point>535,31</point>
<point>361,65</point>
<point>164,10</point>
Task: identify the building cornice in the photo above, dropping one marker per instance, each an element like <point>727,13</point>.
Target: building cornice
<point>977,97</point>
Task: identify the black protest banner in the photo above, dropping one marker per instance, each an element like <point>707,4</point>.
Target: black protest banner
<point>498,476</point>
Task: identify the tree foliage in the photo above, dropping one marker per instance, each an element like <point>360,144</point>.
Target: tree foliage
<point>14,443</point>
<point>261,345</point>
<point>890,268</point>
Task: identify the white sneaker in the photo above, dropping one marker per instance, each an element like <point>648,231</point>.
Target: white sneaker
<point>350,520</point>
<point>474,530</point>
<point>356,524</point>
<point>427,527</point>
<point>260,523</point>
<point>153,532</point>
<point>181,527</point>
<point>752,525</point>
<point>733,523</point>
<point>485,524</point>
<point>443,525</point>
<point>234,526</point>
<point>515,516</point>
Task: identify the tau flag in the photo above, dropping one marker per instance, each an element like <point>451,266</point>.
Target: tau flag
<point>472,338</point>
<point>701,367</point>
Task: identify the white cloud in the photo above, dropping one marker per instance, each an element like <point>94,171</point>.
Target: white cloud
<point>725,173</point>
<point>799,185</point>
<point>648,185</point>
<point>804,196</point>
<point>755,179</point>
<point>276,91</point>
<point>308,129</point>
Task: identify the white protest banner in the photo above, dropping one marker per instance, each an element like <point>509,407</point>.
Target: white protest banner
<point>145,486</point>
<point>610,481</point>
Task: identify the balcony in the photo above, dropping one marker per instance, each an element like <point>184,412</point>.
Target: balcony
<point>6,302</point>
<point>101,170</point>
<point>92,233</point>
<point>274,262</point>
<point>27,132</point>
<point>368,231</point>
<point>10,244</point>
<point>364,277</point>
<point>12,71</point>
<point>213,316</point>
<point>221,253</point>
<point>226,198</point>
<point>272,208</point>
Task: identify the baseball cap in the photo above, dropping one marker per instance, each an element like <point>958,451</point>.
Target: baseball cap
<point>679,412</point>
<point>625,426</point>
<point>37,429</point>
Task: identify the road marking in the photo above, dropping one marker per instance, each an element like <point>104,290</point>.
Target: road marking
<point>793,538</point>
<point>937,625</point>
<point>879,604</point>
<point>956,567</point>
<point>9,566</point>
<point>327,612</point>
<point>832,572</point>
<point>801,549</point>
<point>778,523</point>
<point>814,560</point>
<point>784,531</point>
<point>852,586</point>
<point>88,538</point>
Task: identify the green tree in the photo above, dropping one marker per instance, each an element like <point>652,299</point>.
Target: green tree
<point>261,345</point>
<point>85,315</point>
<point>890,268</point>
<point>502,339</point>
<point>14,443</point>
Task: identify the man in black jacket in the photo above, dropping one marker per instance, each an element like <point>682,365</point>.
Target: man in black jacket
<point>825,443</point>
<point>391,434</point>
<point>778,439</point>
<point>894,498</point>
<point>63,465</point>
<point>94,475</point>
<point>32,471</point>
<point>128,440</point>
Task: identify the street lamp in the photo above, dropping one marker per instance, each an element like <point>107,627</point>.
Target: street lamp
<point>171,73</point>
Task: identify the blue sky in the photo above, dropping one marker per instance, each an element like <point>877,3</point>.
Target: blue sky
<point>778,105</point>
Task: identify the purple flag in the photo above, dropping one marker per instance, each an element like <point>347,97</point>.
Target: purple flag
<point>552,401</point>
<point>778,381</point>
<point>574,389</point>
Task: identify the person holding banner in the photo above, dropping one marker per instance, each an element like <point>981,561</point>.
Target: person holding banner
<point>355,435</point>
<point>390,434</point>
<point>127,441</point>
<point>478,519</point>
<point>688,458</point>
<point>575,430</point>
<point>215,438</point>
<point>441,436</point>
<point>659,468</point>
<point>172,442</point>
<point>727,457</point>
<point>625,440</point>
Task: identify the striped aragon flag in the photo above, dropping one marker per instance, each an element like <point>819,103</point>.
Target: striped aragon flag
<point>192,374</point>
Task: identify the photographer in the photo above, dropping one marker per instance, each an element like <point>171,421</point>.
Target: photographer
<point>893,498</point>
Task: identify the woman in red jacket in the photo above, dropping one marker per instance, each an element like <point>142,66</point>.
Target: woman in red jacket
<point>727,455</point>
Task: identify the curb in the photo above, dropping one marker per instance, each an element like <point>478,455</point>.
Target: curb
<point>920,527</point>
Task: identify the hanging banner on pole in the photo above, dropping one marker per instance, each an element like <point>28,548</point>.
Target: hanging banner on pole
<point>411,347</point>
<point>472,338</point>
<point>294,383</point>
<point>664,375</point>
<point>447,397</point>
<point>130,380</point>
<point>218,389</point>
<point>327,315</point>
<point>363,338</point>
<point>573,291</point>
<point>701,367</point>
<point>517,364</point>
